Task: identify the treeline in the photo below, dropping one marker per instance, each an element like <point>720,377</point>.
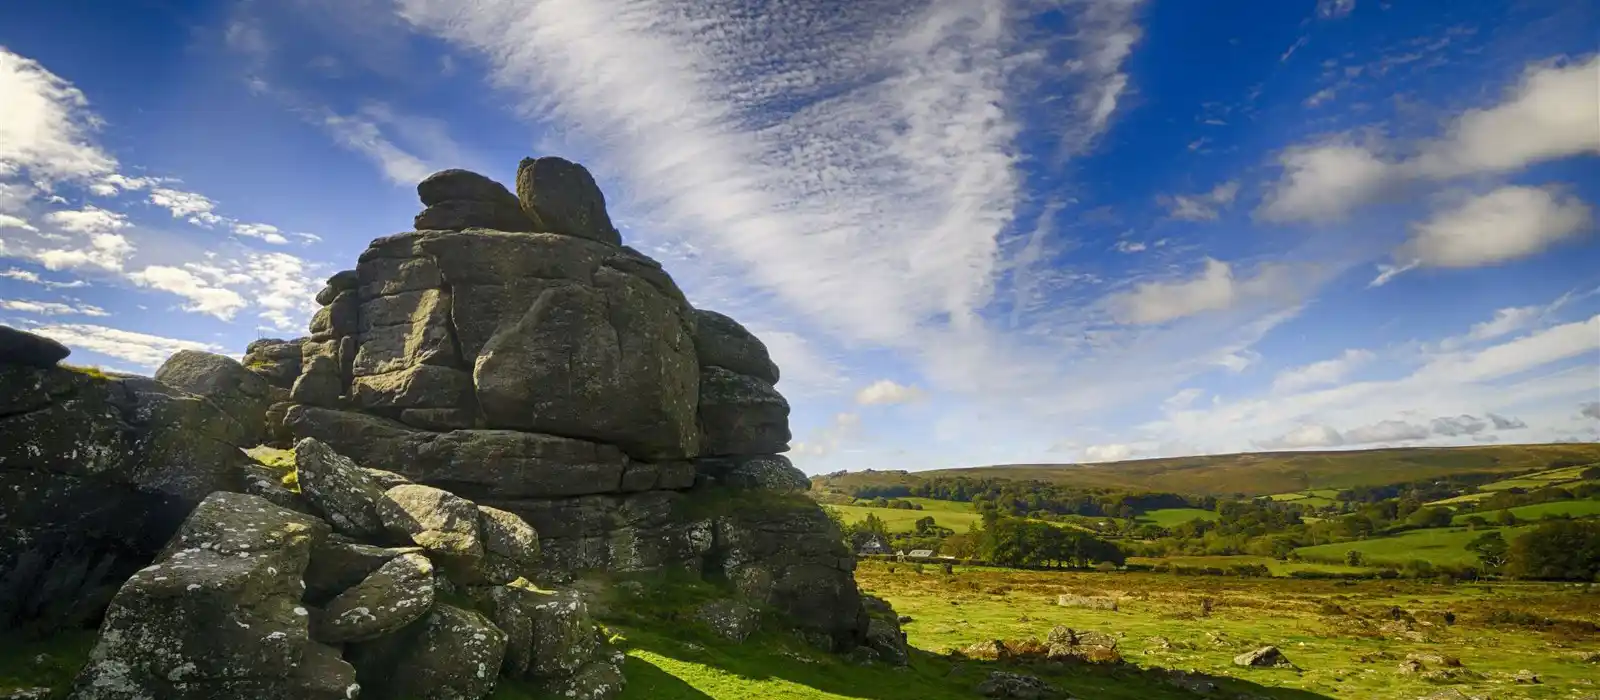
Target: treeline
<point>999,540</point>
<point>1036,499</point>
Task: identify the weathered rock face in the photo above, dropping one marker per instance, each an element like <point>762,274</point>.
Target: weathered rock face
<point>19,347</point>
<point>275,360</point>
<point>240,393</point>
<point>217,614</point>
<point>562,197</point>
<point>95,473</point>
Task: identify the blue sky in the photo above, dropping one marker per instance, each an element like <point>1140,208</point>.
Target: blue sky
<point>970,231</point>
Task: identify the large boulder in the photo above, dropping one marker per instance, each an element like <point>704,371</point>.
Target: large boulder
<point>741,415</point>
<point>275,360</point>
<point>18,347</point>
<point>450,654</point>
<point>784,552</point>
<point>510,546</point>
<point>338,489</point>
<point>339,564</point>
<point>460,199</point>
<point>96,472</point>
<point>218,614</point>
<point>761,472</point>
<point>562,197</point>
<point>723,342</point>
<point>240,393</point>
<point>442,524</point>
<point>392,597</point>
<point>477,464</point>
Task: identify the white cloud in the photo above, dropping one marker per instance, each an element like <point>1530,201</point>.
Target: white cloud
<point>265,232</point>
<point>1237,362</point>
<point>1552,113</point>
<point>203,298</point>
<point>1114,452</point>
<point>1505,224</point>
<point>1303,437</point>
<point>1335,9</point>
<point>361,135</point>
<point>826,440</point>
<point>1183,399</point>
<point>139,348</point>
<point>106,251</point>
<point>1388,431</point>
<point>50,308</point>
<point>1131,246</point>
<point>1107,33</point>
<point>1590,410</point>
<point>1325,182</point>
<point>45,126</point>
<point>1216,288</point>
<point>17,222</point>
<point>197,208</point>
<point>1202,207</point>
<point>89,219</point>
<point>1321,373</point>
<point>34,278</point>
<point>1544,347</point>
<point>885,392</point>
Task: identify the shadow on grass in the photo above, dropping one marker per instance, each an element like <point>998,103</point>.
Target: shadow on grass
<point>775,665</point>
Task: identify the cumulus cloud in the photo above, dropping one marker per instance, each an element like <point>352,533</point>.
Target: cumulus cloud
<point>106,251</point>
<point>16,222</point>
<point>203,298</point>
<point>1386,431</point>
<point>51,308</point>
<point>1549,114</point>
<point>139,348</point>
<point>1216,288</point>
<point>1206,206</point>
<point>265,232</point>
<point>826,440</point>
<point>1505,224</point>
<point>89,219</point>
<point>45,128</point>
<point>1303,437</point>
<point>1109,453</point>
<point>1590,410</point>
<point>1453,426</point>
<point>1321,373</point>
<point>886,392</point>
<point>1503,423</point>
<point>34,278</point>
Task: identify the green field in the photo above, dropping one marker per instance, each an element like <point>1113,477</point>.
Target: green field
<point>1341,635</point>
<point>900,520</point>
<point>1169,517</point>
<point>1576,509</point>
<point>1445,545</point>
<point>1318,474</point>
<point>1553,477</point>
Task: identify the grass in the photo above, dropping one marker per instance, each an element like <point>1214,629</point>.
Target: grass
<point>1319,473</point>
<point>1339,634</point>
<point>1552,477</point>
<point>1445,545</point>
<point>277,459</point>
<point>899,520</point>
<point>1277,567</point>
<point>51,663</point>
<point>1576,509</point>
<point>1169,517</point>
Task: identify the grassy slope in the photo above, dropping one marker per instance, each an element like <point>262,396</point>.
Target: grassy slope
<point>1576,509</point>
<point>1263,473</point>
<point>1328,644</point>
<point>1168,517</point>
<point>1444,545</point>
<point>1553,477</point>
<point>899,520</point>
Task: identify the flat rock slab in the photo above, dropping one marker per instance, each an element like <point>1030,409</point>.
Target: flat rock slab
<point>397,594</point>
<point>18,347</point>
<point>337,488</point>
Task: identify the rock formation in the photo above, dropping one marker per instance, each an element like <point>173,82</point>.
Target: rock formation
<point>485,409</point>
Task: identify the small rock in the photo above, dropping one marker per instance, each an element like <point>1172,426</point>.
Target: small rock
<point>730,619</point>
<point>440,522</point>
<point>341,491</point>
<point>511,547</point>
<point>1083,601</point>
<point>319,384</point>
<point>1526,676</point>
<point>1016,686</point>
<point>451,653</point>
<point>1265,657</point>
<point>28,694</point>
<point>394,596</point>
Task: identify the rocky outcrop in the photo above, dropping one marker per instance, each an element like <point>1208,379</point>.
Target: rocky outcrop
<point>96,472</point>
<point>19,347</point>
<point>240,393</point>
<point>484,410</point>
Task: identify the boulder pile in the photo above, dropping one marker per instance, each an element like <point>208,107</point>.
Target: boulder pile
<point>485,410</point>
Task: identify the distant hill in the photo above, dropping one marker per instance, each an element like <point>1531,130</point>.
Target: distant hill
<point>1258,473</point>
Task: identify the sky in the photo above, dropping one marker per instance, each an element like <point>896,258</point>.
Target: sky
<point>969,231</point>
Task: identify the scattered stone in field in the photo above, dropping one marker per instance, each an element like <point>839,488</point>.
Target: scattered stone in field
<point>1433,659</point>
<point>1187,681</point>
<point>1410,666</point>
<point>905,619</point>
<point>1448,675</point>
<point>1067,600</point>
<point>1001,684</point>
<point>1453,694</point>
<point>1526,676</point>
<point>1265,657</point>
<point>1161,643</point>
<point>863,656</point>
<point>994,650</point>
<point>1588,657</point>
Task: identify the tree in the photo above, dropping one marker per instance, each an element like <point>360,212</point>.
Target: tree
<point>1437,516</point>
<point>1491,549</point>
<point>925,525</point>
<point>1566,550</point>
<point>1506,517</point>
<point>1354,557</point>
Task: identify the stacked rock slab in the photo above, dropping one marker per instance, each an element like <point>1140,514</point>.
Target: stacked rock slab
<point>530,362</point>
<point>342,594</point>
<point>96,472</point>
